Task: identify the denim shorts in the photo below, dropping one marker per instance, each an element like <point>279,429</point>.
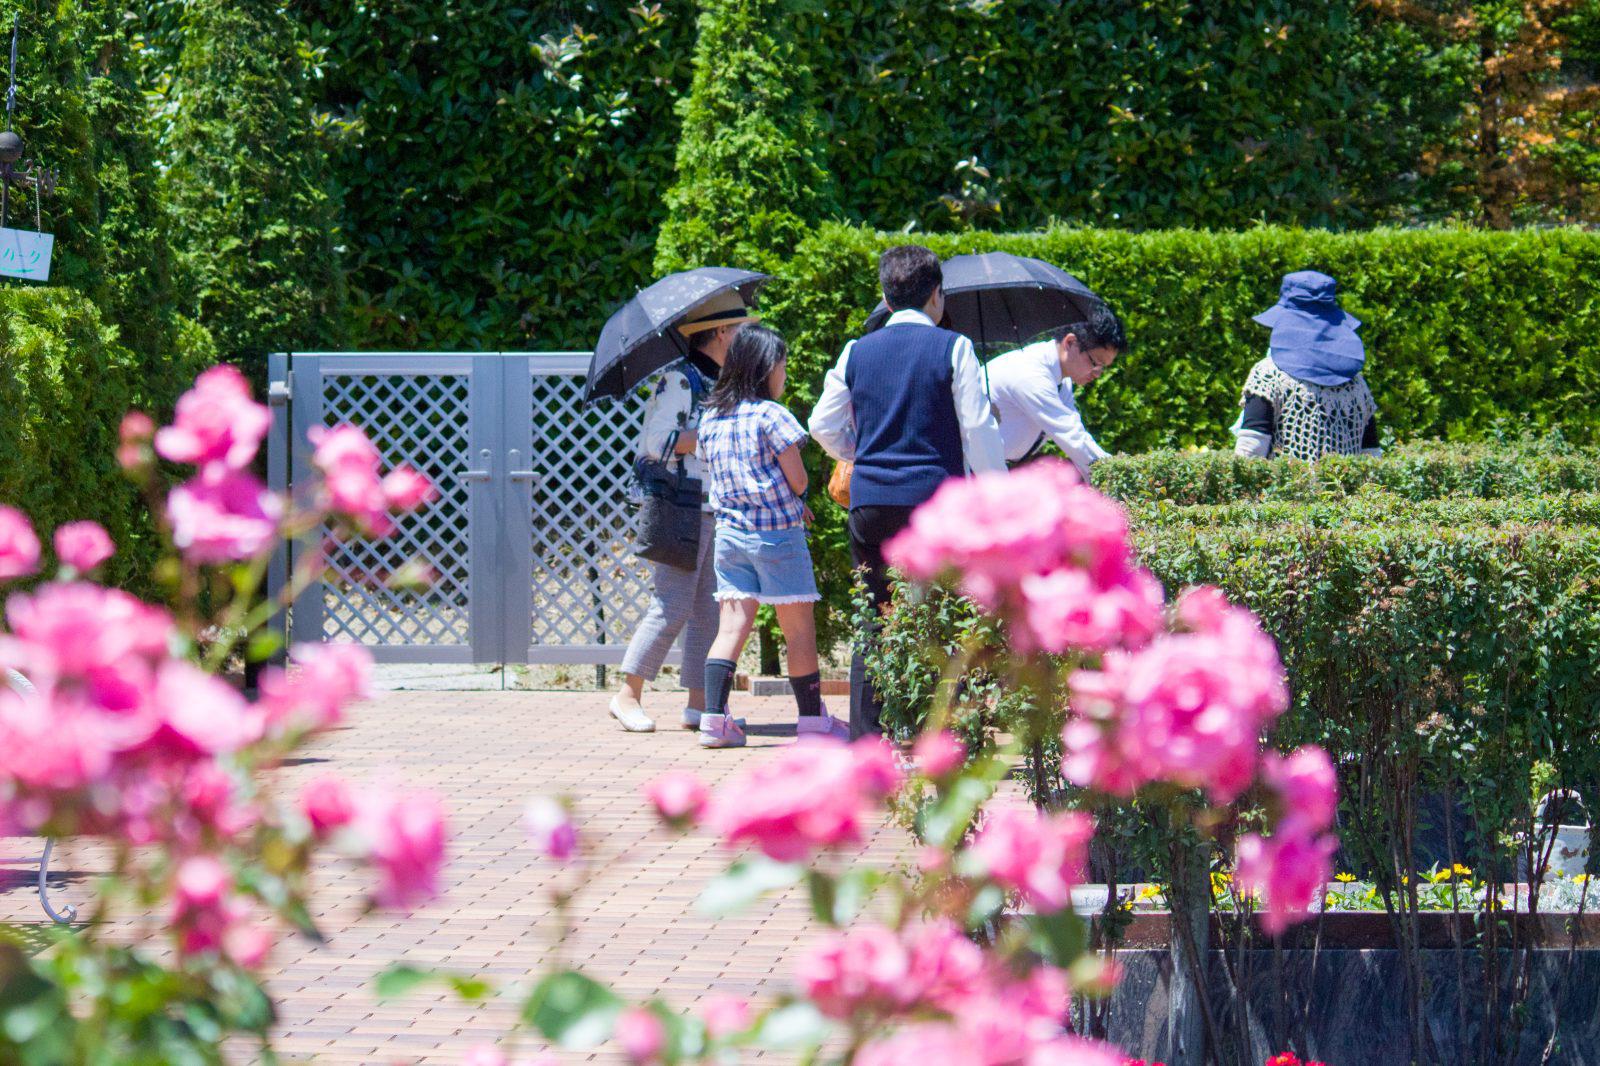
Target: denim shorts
<point>768,565</point>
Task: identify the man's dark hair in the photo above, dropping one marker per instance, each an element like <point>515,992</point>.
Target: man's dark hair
<point>1102,329</point>
<point>755,353</point>
<point>908,273</point>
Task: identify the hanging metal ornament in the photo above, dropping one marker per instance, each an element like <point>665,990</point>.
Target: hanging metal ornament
<point>23,253</point>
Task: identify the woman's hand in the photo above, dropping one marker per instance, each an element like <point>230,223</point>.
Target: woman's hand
<point>806,515</point>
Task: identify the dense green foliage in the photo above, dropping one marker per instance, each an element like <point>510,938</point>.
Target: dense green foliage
<point>249,185</point>
<point>752,172</point>
<point>502,166</point>
<point>65,383</point>
<point>53,118</point>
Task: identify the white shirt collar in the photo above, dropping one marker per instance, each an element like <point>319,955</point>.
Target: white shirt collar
<point>1049,357</point>
<point>911,315</point>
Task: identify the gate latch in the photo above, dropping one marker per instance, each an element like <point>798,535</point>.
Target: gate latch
<point>278,393</point>
<point>515,458</point>
<point>478,475</point>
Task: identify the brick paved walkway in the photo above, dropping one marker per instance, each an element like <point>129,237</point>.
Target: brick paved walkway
<point>488,752</point>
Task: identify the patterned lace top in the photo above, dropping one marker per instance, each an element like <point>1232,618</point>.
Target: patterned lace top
<point>1310,421</point>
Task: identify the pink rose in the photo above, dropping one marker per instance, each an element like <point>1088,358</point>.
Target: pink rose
<point>1306,785</point>
<point>1289,869</point>
<point>725,1015</point>
<point>1066,609</point>
<point>1039,857</point>
<point>50,741</point>
<point>19,545</point>
<point>349,463</point>
<point>678,796</point>
<point>811,796</point>
<point>1075,1051</point>
<point>223,516</point>
<point>995,529</point>
<point>134,434</point>
<point>549,826</point>
<point>215,423</point>
<point>939,753</point>
<point>1189,708</point>
<point>200,714</point>
<point>202,908</point>
<point>641,1035</point>
<point>405,838</point>
<point>947,969</point>
<point>322,681</point>
<point>328,803</point>
<point>77,628</point>
<point>406,489</point>
<point>83,545</point>
<point>862,968</point>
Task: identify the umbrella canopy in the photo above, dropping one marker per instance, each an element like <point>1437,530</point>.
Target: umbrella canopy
<point>1000,298</point>
<point>639,339</point>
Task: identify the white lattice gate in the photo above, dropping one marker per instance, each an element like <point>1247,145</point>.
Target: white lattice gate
<point>529,541</point>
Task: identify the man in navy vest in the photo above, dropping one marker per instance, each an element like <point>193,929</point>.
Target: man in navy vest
<point>907,405</point>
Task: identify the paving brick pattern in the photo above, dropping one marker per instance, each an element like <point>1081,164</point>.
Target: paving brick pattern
<point>632,921</point>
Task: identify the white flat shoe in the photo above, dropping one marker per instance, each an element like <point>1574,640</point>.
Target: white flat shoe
<point>631,718</point>
<point>691,718</point>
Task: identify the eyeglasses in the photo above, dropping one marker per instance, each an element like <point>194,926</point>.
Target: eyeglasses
<point>1087,354</point>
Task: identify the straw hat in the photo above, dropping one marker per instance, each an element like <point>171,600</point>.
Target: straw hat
<point>723,309</point>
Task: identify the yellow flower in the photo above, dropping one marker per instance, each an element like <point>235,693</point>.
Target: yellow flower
<point>1149,892</point>
<point>1461,871</point>
<point>1346,878</point>
<point>1442,875</point>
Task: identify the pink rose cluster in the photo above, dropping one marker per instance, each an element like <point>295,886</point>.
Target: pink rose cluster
<point>961,1005</point>
<point>1040,857</point>
<point>208,916</point>
<point>1188,708</point>
<point>224,513</point>
<point>401,834</point>
<point>1291,867</point>
<point>353,485</point>
<point>811,798</point>
<point>1044,550</point>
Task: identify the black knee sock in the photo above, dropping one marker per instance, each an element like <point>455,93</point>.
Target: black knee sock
<point>719,682</point>
<point>808,693</point>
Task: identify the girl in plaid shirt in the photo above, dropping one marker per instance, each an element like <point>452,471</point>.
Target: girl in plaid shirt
<point>749,447</point>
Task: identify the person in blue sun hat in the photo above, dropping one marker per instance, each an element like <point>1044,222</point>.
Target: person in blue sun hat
<point>1307,398</point>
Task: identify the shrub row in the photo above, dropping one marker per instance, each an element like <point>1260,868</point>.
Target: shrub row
<point>1427,471</point>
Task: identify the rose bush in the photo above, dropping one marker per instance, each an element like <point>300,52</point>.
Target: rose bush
<point>128,735</point>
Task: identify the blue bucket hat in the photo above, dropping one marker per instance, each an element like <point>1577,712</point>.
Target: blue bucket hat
<point>1313,340</point>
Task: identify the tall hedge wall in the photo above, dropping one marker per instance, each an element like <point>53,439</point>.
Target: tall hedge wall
<point>1466,331</point>
<point>503,165</point>
<point>65,382</point>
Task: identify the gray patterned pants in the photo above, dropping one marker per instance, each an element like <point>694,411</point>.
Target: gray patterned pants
<point>680,601</point>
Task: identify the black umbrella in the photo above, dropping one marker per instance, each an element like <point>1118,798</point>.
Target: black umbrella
<point>999,298</point>
<point>638,340</point>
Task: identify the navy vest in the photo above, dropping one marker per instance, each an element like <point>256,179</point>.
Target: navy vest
<point>908,438</point>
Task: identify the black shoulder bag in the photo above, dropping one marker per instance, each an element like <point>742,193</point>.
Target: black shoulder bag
<point>669,516</point>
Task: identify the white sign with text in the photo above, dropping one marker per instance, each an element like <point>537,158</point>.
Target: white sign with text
<point>25,253</point>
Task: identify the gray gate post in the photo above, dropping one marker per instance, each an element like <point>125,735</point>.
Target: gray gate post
<point>279,393</point>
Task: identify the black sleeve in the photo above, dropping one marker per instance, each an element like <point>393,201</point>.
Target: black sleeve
<point>1369,436</point>
<point>1258,415</point>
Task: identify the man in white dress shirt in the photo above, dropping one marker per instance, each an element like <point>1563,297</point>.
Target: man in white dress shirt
<point>906,404</point>
<point>1031,388</point>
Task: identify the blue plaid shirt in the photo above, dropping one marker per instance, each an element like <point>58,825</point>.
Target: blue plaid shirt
<point>739,450</point>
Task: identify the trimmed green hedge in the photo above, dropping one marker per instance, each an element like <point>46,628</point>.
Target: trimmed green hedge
<point>65,383</point>
<point>1413,471</point>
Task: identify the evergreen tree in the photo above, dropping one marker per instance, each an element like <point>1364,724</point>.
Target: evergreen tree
<point>752,174</point>
<point>53,119</point>
<point>248,182</point>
